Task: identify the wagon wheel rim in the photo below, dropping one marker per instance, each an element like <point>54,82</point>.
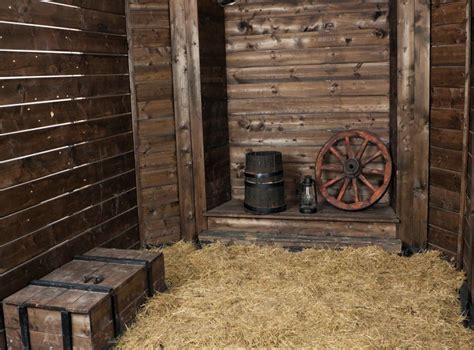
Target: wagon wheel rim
<point>353,170</point>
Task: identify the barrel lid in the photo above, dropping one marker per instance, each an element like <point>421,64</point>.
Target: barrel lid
<point>263,154</point>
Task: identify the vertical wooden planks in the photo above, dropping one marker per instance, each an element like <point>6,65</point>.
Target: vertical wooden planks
<point>421,125</point>
<point>468,224</point>
<point>405,113</point>
<point>182,107</point>
<point>413,118</point>
<point>196,117</point>
<point>136,139</point>
<point>466,188</point>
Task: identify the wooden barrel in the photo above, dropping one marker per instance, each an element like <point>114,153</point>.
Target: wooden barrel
<point>264,185</point>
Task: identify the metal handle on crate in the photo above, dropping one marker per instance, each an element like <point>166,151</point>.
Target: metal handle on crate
<point>96,279</point>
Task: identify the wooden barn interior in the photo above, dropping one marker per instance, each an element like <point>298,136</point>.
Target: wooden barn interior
<point>125,124</point>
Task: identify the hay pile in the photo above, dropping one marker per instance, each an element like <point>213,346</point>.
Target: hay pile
<point>246,296</point>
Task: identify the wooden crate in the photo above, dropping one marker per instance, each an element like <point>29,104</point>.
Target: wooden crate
<point>84,304</point>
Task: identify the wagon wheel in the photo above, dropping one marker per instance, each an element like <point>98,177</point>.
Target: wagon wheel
<point>350,177</point>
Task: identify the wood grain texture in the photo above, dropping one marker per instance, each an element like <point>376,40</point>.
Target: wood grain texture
<point>214,103</point>
<point>299,72</point>
<point>467,243</point>
<point>450,80</point>
<point>413,33</point>
<point>67,174</point>
<point>183,114</point>
<point>154,120</point>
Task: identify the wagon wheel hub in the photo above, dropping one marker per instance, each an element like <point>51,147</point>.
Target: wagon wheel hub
<point>353,170</point>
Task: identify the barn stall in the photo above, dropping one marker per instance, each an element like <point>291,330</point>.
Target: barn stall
<point>128,124</point>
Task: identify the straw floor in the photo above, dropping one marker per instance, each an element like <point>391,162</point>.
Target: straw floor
<point>251,297</point>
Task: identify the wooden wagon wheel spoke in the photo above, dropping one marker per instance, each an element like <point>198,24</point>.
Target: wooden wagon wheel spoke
<point>337,154</point>
<point>372,158</point>
<point>343,189</point>
<point>337,168</point>
<point>373,172</point>
<point>362,149</point>
<point>355,187</point>
<point>366,182</point>
<point>352,169</point>
<point>349,152</point>
<point>333,181</point>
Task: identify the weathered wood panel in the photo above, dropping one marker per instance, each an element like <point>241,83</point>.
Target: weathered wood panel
<point>299,72</point>
<point>467,241</point>
<point>67,171</point>
<point>449,115</point>
<point>152,84</point>
<point>214,102</point>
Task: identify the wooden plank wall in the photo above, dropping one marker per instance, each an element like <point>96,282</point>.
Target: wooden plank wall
<point>150,55</point>
<point>299,72</point>
<point>212,43</point>
<point>67,171</point>
<point>468,239</point>
<point>448,119</point>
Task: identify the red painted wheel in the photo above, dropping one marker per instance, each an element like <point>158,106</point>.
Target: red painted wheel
<point>353,170</point>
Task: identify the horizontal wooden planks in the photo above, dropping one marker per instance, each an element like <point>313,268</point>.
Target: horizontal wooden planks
<point>66,148</point>
<point>299,72</point>
<point>39,12</point>
<point>150,49</point>
<point>214,94</point>
<point>297,242</point>
<point>314,228</point>
<point>19,37</point>
<point>14,64</point>
<point>448,78</point>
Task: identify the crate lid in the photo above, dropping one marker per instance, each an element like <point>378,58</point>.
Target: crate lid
<point>145,255</point>
<point>76,301</point>
<point>77,272</point>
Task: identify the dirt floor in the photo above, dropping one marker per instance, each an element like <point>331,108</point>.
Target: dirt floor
<point>251,297</point>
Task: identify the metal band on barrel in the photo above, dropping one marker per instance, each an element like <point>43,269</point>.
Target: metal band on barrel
<point>264,175</point>
<point>265,210</point>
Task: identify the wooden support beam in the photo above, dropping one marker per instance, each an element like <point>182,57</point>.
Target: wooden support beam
<point>195,101</point>
<point>188,115</point>
<point>136,139</point>
<point>413,36</point>
<point>464,198</point>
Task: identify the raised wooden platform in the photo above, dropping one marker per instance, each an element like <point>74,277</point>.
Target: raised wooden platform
<point>328,228</point>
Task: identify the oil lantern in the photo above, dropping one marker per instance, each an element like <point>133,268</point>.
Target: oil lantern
<point>308,203</point>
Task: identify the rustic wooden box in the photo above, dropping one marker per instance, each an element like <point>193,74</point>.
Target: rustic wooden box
<point>84,304</point>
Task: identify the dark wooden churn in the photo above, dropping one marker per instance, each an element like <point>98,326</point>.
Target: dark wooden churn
<point>264,185</point>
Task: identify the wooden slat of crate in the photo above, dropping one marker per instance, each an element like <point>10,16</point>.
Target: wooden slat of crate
<point>91,317</point>
<point>155,260</point>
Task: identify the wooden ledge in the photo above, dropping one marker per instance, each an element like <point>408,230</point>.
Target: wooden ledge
<point>376,214</point>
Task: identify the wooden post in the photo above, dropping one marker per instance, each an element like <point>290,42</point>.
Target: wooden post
<point>194,70</point>
<point>136,138</point>
<point>413,36</point>
<point>188,115</point>
<point>464,208</point>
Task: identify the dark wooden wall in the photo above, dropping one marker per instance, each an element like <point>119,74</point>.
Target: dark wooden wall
<point>468,236</point>
<point>297,77</point>
<point>67,171</point>
<point>150,53</point>
<point>212,43</point>
<point>448,122</point>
